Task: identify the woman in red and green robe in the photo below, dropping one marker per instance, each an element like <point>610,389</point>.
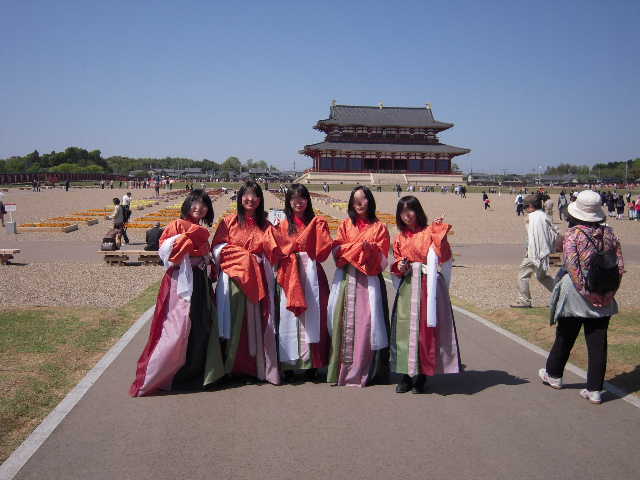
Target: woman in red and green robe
<point>246,249</point>
<point>303,334</point>
<point>178,351</point>
<point>423,333</point>
<point>357,312</point>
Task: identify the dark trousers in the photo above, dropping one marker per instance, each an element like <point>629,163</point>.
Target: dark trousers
<point>595,332</point>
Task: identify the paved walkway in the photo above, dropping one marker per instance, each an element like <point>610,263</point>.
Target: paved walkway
<point>496,420</point>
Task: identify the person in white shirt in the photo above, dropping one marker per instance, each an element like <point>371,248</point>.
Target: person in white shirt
<point>541,240</point>
<point>126,206</point>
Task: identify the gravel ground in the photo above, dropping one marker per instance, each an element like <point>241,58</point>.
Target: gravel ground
<point>474,225</point>
<point>73,284</point>
<point>493,287</point>
<point>487,286</point>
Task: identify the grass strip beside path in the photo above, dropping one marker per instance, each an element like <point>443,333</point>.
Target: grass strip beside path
<point>44,352</point>
<point>532,324</point>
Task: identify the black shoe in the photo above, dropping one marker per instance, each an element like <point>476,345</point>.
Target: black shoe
<point>405,384</point>
<point>289,376</point>
<point>420,384</point>
<point>311,375</point>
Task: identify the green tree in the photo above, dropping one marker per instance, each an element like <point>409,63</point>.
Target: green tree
<point>232,163</point>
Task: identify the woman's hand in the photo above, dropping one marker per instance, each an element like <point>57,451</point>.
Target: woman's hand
<point>404,265</point>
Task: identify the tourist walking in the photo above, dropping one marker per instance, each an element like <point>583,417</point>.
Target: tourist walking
<point>126,205</point>
<point>246,250</point>
<point>541,239</point>
<point>611,204</point>
<point>303,334</point>
<point>584,296</point>
<point>179,354</point>
<point>620,207</point>
<point>3,210</point>
<point>519,204</point>
<point>563,203</point>
<point>67,184</point>
<point>486,203</point>
<point>548,208</point>
<point>358,314</point>
<point>118,217</point>
<point>423,334</point>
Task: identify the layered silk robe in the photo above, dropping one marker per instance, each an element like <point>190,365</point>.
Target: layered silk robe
<point>303,335</point>
<point>357,312</point>
<point>245,255</point>
<point>423,333</point>
<point>178,350</point>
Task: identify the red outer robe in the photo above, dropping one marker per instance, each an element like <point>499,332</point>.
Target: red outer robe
<point>369,259</point>
<point>193,240</point>
<point>315,240</point>
<point>415,246</point>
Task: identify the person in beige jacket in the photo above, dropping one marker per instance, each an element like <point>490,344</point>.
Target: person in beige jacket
<point>541,240</point>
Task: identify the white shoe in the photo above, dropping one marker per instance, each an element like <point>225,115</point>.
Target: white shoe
<point>552,382</point>
<point>593,397</point>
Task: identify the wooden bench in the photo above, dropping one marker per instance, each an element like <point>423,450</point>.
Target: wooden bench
<point>555,258</point>
<point>120,257</point>
<point>7,254</point>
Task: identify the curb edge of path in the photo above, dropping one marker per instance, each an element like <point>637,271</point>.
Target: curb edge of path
<point>617,391</point>
<point>21,455</point>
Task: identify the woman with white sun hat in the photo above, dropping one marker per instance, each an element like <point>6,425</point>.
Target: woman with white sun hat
<point>584,295</point>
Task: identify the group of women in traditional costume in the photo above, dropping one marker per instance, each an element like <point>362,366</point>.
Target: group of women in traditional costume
<point>271,313</point>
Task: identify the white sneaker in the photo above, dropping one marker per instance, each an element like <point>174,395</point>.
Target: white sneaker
<point>593,397</point>
<point>552,382</point>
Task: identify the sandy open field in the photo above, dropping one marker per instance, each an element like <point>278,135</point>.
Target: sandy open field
<point>64,268</point>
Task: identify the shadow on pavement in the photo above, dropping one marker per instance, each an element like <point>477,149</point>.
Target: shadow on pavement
<point>472,381</point>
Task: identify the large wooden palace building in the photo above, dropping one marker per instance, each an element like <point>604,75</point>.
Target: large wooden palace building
<point>382,140</point>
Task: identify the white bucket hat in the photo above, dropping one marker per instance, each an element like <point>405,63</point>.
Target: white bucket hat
<point>587,207</point>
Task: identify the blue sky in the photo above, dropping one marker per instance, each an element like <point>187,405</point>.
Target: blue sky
<point>526,83</point>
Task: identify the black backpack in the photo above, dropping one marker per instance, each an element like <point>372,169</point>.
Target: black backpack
<point>603,275</point>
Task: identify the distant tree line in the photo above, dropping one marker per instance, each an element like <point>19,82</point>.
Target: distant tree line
<point>618,171</point>
<point>79,160</point>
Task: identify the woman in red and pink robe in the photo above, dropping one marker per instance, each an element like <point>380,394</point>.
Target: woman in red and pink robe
<point>303,334</point>
<point>178,354</point>
<point>358,315</point>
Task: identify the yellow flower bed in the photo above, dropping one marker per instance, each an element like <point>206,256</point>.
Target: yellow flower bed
<point>89,214</point>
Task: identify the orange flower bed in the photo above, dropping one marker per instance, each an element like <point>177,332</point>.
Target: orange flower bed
<point>144,225</point>
<point>47,224</point>
<point>72,219</point>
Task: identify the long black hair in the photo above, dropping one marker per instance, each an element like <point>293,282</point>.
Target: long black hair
<point>197,196</point>
<point>297,190</point>
<point>412,203</point>
<point>261,216</point>
<point>371,210</point>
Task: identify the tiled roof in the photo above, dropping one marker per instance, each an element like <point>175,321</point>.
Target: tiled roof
<point>383,117</point>
<point>386,147</point>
